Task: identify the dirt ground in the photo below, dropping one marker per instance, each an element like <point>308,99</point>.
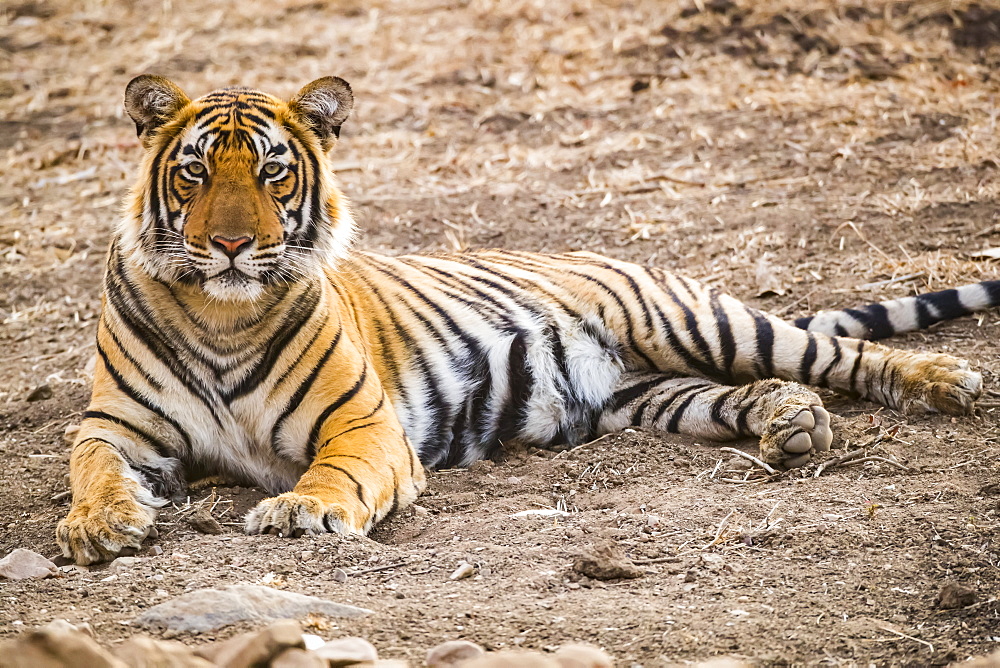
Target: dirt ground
<point>802,155</point>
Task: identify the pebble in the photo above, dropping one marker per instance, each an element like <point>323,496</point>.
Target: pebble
<point>145,652</point>
<point>606,562</point>
<point>123,564</point>
<point>58,645</point>
<point>201,520</point>
<point>297,658</point>
<point>22,564</point>
<point>41,393</point>
<point>512,660</point>
<point>256,648</point>
<point>464,570</point>
<point>339,575</point>
<point>953,596</point>
<point>583,656</point>
<point>347,651</point>
<point>419,511</point>
<point>210,609</point>
<point>59,497</point>
<point>452,653</point>
<point>69,434</point>
<point>156,550</point>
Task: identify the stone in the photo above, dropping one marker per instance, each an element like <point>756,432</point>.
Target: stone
<point>22,564</point>
<point>512,660</point>
<point>201,520</point>
<point>452,653</point>
<point>41,393</point>
<point>145,652</point>
<point>256,648</point>
<point>347,652</point>
<point>124,564</point>
<point>953,596</point>
<point>297,658</point>
<point>57,645</point>
<point>583,656</point>
<point>210,609</point>
<point>464,570</point>
<point>69,434</point>
<point>606,562</point>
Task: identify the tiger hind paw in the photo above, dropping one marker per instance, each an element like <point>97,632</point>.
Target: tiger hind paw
<point>940,384</point>
<point>795,434</point>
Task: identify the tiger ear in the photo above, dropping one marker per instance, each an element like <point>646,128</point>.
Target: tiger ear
<point>323,106</point>
<point>151,101</point>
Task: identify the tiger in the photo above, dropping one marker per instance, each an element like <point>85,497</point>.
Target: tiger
<point>242,334</point>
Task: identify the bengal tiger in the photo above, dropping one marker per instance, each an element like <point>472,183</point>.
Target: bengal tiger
<point>241,334</point>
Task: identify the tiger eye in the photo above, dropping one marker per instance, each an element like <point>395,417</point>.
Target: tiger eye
<point>196,169</point>
<point>273,168</point>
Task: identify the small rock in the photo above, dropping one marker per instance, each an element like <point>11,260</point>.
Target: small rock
<point>201,520</point>
<point>419,511</point>
<point>512,660</point>
<point>481,466</point>
<point>41,393</point>
<point>156,550</point>
<point>63,626</point>
<point>22,564</point>
<point>56,646</point>
<point>953,596</point>
<point>606,562</point>
<point>145,652</point>
<point>452,653</point>
<point>583,656</point>
<point>256,648</point>
<point>339,575</point>
<point>69,434</point>
<point>210,609</point>
<point>347,651</point>
<point>124,564</point>
<point>464,570</point>
<point>59,497</point>
<point>297,658</point>
<point>312,641</point>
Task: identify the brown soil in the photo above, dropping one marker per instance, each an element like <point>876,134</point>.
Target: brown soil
<point>794,152</point>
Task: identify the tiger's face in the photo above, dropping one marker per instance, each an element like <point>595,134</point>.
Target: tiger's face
<point>235,192</point>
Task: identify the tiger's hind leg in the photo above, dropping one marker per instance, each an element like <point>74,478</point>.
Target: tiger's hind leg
<point>788,418</point>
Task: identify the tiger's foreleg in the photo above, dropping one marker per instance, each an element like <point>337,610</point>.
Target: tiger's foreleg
<point>788,418</point>
<point>363,469</point>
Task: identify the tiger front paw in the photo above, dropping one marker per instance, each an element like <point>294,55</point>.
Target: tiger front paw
<point>293,515</point>
<point>93,533</point>
<point>940,384</point>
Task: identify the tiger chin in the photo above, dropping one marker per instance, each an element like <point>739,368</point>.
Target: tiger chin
<point>241,335</point>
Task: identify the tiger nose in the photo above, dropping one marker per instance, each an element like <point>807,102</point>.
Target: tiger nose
<point>231,247</point>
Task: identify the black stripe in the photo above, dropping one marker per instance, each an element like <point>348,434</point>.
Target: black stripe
<point>332,408</point>
<point>853,382</point>
<point>808,359</point>
<point>160,448</point>
<point>675,420</point>
<point>302,389</point>
<point>357,485</point>
<point>135,396</point>
<point>290,328</point>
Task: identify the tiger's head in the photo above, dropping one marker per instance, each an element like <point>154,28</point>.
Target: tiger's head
<point>235,193</point>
